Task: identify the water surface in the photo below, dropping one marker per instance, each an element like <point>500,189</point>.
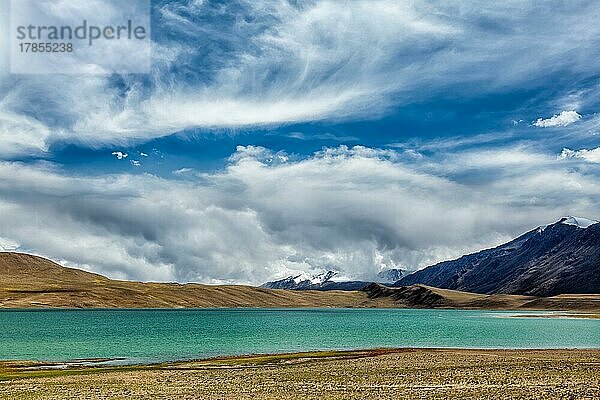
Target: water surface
<point>177,334</point>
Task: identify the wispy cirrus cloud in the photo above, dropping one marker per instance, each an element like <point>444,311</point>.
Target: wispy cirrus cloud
<point>20,134</point>
<point>262,63</point>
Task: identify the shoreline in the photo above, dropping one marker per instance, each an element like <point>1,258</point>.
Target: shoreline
<point>560,314</point>
<point>523,312</point>
<point>356,374</point>
<point>21,368</point>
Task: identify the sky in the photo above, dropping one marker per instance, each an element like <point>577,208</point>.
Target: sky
<point>277,137</point>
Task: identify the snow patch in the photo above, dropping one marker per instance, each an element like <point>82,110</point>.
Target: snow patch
<point>322,278</point>
<point>313,279</point>
<point>579,222</point>
<point>300,278</point>
<point>389,275</point>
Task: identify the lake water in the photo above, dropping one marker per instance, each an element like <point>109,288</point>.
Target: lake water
<point>162,335</point>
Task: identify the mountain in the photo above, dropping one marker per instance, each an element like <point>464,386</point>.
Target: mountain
<point>321,282</point>
<point>563,257</point>
<point>422,296</point>
<point>389,276</point>
<point>301,281</point>
<point>28,281</point>
<point>324,281</point>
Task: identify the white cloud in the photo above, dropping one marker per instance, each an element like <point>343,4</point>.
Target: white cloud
<point>20,133</point>
<point>8,245</point>
<point>104,57</point>
<point>352,209</point>
<point>120,155</point>
<point>565,118</point>
<point>313,64</point>
<point>314,61</point>
<point>182,171</point>
<point>592,155</point>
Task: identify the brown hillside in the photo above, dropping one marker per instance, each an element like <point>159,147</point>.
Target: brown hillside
<point>31,281</point>
<point>28,281</point>
<point>422,296</point>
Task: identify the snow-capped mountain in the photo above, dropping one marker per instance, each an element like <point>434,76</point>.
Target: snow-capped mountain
<point>389,276</point>
<point>301,281</point>
<point>322,281</point>
<point>325,281</point>
<point>578,221</point>
<point>563,257</point>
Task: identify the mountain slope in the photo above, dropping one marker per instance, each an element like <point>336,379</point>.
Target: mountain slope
<point>31,281</point>
<point>422,296</point>
<point>25,271</point>
<point>28,281</point>
<point>559,258</point>
<point>321,282</point>
<point>389,276</point>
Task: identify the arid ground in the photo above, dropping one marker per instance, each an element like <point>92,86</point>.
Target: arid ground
<point>28,281</point>
<point>376,374</point>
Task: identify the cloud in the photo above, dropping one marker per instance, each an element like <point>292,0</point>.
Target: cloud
<point>245,64</point>
<point>8,245</point>
<point>263,63</point>
<point>20,134</point>
<point>182,171</point>
<point>592,155</point>
<point>267,214</point>
<point>320,136</point>
<point>565,118</point>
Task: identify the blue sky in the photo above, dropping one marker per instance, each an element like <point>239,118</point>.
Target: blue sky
<point>276,137</point>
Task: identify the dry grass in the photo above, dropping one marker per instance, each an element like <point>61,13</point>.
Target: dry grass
<point>33,282</point>
<point>380,374</point>
<point>28,281</point>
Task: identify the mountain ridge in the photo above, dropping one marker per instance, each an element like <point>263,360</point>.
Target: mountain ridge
<point>559,258</point>
<point>28,281</point>
<point>423,296</point>
<point>324,281</point>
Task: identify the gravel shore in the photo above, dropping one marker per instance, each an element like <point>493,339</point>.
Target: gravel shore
<point>376,374</point>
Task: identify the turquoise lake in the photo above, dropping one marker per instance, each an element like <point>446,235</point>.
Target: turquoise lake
<point>142,336</point>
